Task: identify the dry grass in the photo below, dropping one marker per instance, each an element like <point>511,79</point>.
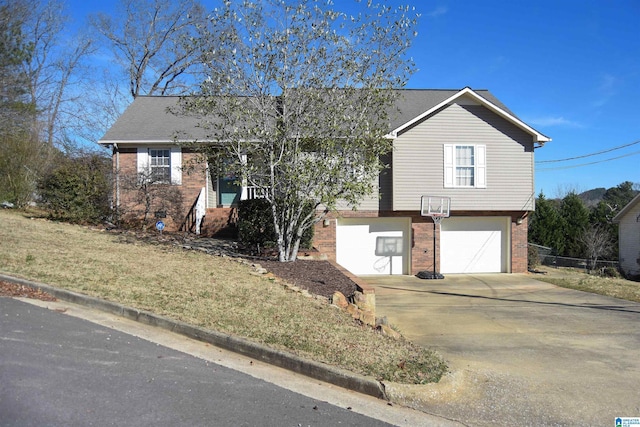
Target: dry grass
<point>212,292</point>
<point>579,280</point>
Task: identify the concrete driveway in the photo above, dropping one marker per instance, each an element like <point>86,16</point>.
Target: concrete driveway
<point>521,351</point>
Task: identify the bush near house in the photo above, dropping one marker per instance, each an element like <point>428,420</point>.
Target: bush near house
<point>256,229</point>
<point>77,189</point>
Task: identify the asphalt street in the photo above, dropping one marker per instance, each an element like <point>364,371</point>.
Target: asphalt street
<point>58,370</point>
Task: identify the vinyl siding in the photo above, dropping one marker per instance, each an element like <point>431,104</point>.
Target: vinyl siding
<point>629,234</point>
<point>381,198</point>
<point>369,203</point>
<point>418,161</point>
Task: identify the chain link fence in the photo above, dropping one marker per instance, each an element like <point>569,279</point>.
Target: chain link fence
<point>547,257</point>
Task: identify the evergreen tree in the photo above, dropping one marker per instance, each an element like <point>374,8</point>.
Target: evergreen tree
<point>575,217</point>
<point>545,225</point>
<point>16,113</point>
<point>613,200</point>
<point>619,196</point>
<point>20,151</point>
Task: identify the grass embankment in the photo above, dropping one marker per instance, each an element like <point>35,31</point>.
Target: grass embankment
<point>572,278</point>
<point>211,292</point>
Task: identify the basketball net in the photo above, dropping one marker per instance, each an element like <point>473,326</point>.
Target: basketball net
<point>437,218</point>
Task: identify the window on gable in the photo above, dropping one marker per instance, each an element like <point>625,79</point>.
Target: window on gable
<point>464,166</point>
<point>160,165</point>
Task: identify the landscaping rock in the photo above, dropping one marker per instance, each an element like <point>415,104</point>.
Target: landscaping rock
<point>339,300</point>
<point>386,330</point>
<point>354,311</point>
<point>368,318</point>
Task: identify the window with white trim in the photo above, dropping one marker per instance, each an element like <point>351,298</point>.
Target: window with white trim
<point>160,165</point>
<point>465,166</point>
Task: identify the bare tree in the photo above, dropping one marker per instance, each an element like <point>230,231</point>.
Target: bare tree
<point>55,69</point>
<point>598,243</point>
<point>563,190</point>
<point>153,41</point>
<point>148,195</point>
<point>300,97</point>
<point>23,158</point>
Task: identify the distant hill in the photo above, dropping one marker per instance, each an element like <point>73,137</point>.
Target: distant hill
<point>593,196</point>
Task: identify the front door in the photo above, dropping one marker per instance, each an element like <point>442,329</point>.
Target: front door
<point>228,191</point>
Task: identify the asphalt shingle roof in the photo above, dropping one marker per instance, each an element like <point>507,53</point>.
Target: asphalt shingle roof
<point>148,118</point>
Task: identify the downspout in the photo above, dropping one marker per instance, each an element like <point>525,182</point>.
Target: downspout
<point>206,183</point>
<point>117,195</point>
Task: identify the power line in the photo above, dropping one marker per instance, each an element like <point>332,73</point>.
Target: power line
<point>591,154</point>
<point>588,164</point>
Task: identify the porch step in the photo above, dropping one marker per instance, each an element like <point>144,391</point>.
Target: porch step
<point>220,222</point>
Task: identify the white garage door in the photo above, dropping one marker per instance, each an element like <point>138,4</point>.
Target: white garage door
<point>475,245</point>
<point>374,245</point>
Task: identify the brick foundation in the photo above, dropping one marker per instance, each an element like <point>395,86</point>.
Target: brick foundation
<point>422,237</point>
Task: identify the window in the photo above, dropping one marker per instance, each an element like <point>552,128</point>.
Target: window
<point>160,165</point>
<point>465,166</point>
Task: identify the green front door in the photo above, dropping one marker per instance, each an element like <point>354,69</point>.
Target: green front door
<point>228,191</point>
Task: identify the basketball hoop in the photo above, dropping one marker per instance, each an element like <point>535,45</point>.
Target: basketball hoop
<point>437,218</point>
<point>435,206</point>
<point>438,208</point>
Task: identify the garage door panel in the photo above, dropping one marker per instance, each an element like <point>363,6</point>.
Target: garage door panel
<point>474,245</point>
<point>373,245</point>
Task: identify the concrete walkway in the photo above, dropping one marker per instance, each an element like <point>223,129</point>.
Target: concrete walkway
<point>521,351</point>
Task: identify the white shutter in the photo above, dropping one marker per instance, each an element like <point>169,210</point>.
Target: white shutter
<point>143,160</point>
<point>176,165</point>
<point>449,165</point>
<point>481,166</point>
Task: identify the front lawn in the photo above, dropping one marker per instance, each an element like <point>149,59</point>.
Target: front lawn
<point>214,292</point>
<point>582,281</point>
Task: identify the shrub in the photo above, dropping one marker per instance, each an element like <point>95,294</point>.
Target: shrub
<point>255,225</point>
<point>78,189</point>
<point>611,272</point>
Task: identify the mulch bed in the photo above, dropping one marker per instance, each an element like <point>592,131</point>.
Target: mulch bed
<point>14,290</point>
<point>317,277</point>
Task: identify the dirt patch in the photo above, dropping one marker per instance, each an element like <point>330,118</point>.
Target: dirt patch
<point>317,277</point>
<point>14,290</point>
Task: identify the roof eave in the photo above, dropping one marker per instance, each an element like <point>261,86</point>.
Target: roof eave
<point>626,209</point>
<point>538,137</point>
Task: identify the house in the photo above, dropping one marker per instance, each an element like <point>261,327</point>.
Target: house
<point>628,220</point>
<point>462,144</point>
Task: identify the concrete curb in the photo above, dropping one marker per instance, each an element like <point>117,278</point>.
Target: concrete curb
<point>239,345</point>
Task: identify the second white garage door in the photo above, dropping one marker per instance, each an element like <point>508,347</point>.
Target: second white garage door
<point>374,245</point>
<point>475,245</point>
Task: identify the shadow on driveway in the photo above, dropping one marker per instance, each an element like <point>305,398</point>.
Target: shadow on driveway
<point>520,351</point>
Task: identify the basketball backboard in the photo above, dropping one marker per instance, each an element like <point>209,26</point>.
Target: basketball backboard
<point>435,206</point>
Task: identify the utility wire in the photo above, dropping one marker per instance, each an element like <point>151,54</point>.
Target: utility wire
<point>588,164</point>
<point>592,154</point>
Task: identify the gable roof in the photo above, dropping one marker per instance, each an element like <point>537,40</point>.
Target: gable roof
<point>416,106</point>
<point>149,119</point>
<point>626,209</point>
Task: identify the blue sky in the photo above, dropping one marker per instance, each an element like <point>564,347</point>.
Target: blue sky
<point>569,68</point>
